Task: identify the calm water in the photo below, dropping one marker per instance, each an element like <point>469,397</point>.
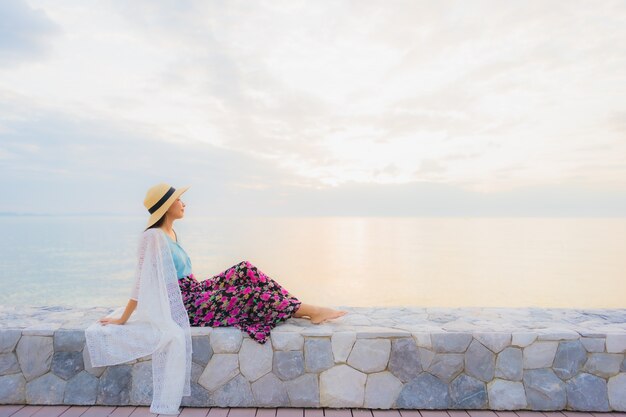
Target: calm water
<point>428,262</point>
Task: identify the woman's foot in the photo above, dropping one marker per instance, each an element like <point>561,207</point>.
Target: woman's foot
<point>324,314</point>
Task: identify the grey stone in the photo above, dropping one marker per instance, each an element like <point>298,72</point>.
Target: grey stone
<point>47,389</point>
<point>69,340</point>
<point>199,397</point>
<point>370,355</point>
<point>467,392</point>
<point>423,340</point>
<point>67,364</point>
<point>115,385</point>
<point>381,390</point>
<point>622,367</point>
<point>141,391</point>
<point>221,368</point>
<point>450,342</point>
<point>544,390</point>
<point>480,362</point>
<point>235,393</point>
<point>226,339</point>
<point>593,344</point>
<point>34,354</point>
<point>404,361</point>
<point>318,354</point>
<point>81,390</point>
<point>342,343</point>
<point>447,366</point>
<point>201,349</point>
<point>287,341</point>
<point>604,365</point>
<point>95,371</point>
<point>196,371</point>
<point>509,364</point>
<point>523,339</point>
<point>424,391</point>
<point>9,339</point>
<point>342,386</point>
<point>586,392</point>
<point>288,364</point>
<point>617,392</point>
<point>494,341</point>
<point>506,395</point>
<point>269,391</point>
<point>12,389</point>
<point>426,357</point>
<point>304,391</point>
<point>9,364</point>
<point>616,342</point>
<point>569,359</point>
<point>539,355</point>
<point>255,359</point>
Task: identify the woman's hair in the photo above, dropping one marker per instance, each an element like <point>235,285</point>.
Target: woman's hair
<point>158,223</point>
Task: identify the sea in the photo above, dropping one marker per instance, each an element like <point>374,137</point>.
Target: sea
<point>333,261</point>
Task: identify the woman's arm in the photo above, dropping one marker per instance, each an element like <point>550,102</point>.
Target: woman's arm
<point>130,307</point>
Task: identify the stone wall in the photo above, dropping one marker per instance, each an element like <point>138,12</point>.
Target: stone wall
<point>339,365</point>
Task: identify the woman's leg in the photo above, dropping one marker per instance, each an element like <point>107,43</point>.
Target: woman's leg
<point>318,314</point>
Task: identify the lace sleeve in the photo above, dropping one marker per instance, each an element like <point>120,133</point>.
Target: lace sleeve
<point>141,250</point>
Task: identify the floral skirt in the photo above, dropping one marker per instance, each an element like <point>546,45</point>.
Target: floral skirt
<point>242,297</point>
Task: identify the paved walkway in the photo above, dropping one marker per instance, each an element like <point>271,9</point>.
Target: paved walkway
<point>104,411</point>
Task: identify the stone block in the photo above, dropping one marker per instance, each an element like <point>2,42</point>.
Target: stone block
<point>342,343</point>
<point>221,368</point>
<point>201,349</point>
<point>467,392</point>
<point>616,342</point>
<point>12,389</point>
<point>69,340</point>
<point>450,342</point>
<point>539,354</point>
<point>142,386</point>
<point>586,392</point>
<point>226,340</point>
<point>115,385</point>
<point>46,389</point>
<point>67,364</point>
<point>506,395</point>
<point>382,389</point>
<point>342,386</point>
<point>255,359</point>
<point>269,391</point>
<point>304,391</point>
<point>593,344</point>
<point>446,366</point>
<point>9,364</point>
<point>95,371</point>
<point>288,364</point>
<point>82,389</point>
<point>34,354</point>
<point>604,365</point>
<point>424,391</point>
<point>616,388</point>
<point>287,341</point>
<point>318,354</point>
<point>9,339</point>
<point>480,362</point>
<point>370,355</point>
<point>569,359</point>
<point>404,360</point>
<point>494,341</point>
<point>544,390</point>
<point>235,393</point>
<point>509,364</point>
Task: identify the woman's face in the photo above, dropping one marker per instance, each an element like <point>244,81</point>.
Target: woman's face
<point>176,210</point>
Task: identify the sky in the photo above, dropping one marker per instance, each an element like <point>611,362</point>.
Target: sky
<point>309,108</point>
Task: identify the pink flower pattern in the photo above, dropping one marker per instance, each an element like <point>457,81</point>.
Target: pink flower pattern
<point>242,297</point>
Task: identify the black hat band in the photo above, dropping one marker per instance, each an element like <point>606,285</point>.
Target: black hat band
<point>163,199</point>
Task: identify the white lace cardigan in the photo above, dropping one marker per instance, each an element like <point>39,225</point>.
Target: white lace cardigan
<point>158,327</point>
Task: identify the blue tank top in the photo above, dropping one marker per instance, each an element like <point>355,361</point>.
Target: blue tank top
<point>180,257</point>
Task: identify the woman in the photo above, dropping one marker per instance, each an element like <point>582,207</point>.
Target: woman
<point>241,296</point>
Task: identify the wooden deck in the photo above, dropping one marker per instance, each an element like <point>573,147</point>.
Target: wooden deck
<point>131,411</point>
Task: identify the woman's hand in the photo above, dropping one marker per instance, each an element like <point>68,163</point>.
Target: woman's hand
<point>111,320</point>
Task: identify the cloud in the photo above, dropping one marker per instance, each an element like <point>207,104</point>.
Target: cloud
<point>24,32</point>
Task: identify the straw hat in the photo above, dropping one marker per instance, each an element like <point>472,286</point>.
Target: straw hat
<point>159,198</point>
